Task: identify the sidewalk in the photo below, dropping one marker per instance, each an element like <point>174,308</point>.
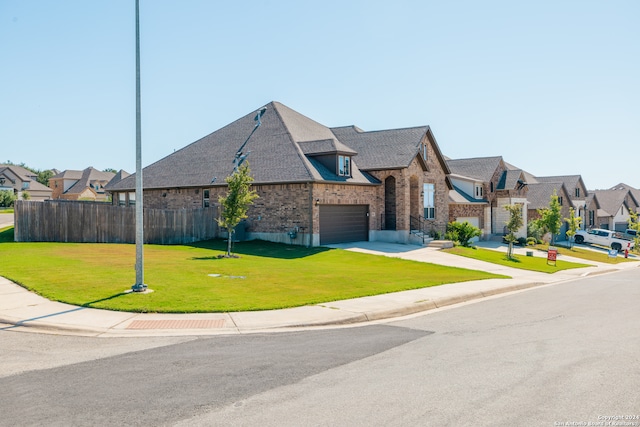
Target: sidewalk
<point>21,310</point>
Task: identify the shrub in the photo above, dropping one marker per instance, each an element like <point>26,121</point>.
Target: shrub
<point>462,232</point>
<point>7,197</point>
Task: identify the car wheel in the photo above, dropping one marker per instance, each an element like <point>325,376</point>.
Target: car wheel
<point>616,246</point>
<point>579,239</point>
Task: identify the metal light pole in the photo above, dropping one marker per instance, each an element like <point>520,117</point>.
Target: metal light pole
<point>139,286</point>
<point>240,158</point>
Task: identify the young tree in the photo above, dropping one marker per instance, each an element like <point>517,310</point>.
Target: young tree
<point>574,225</point>
<point>513,225</point>
<point>237,201</point>
<point>551,218</point>
<point>634,224</point>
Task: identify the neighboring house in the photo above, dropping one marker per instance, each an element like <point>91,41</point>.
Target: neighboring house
<point>87,184</point>
<point>577,193</point>
<point>317,185</point>
<point>615,205</point>
<point>482,187</point>
<point>539,197</point>
<point>592,206</point>
<point>634,191</point>
<point>22,181</point>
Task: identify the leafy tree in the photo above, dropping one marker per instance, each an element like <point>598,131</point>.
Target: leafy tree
<point>634,224</point>
<point>513,224</point>
<point>462,232</point>
<point>26,195</point>
<point>112,170</point>
<point>574,224</point>
<point>551,217</point>
<point>237,201</point>
<point>7,197</point>
<point>43,176</point>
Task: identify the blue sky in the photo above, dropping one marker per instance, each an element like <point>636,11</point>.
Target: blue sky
<point>552,86</point>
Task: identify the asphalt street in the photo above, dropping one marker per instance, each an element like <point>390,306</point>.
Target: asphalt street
<point>562,353</point>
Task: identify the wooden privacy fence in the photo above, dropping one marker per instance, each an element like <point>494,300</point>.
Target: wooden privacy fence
<point>87,222</point>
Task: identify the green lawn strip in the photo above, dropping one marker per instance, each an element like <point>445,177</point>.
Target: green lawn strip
<point>523,262</point>
<point>587,254</point>
<point>266,276</point>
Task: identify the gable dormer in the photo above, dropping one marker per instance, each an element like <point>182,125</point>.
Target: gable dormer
<point>332,154</point>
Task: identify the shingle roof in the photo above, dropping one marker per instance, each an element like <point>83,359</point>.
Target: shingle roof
<point>89,175</point>
<point>383,149</point>
<point>325,146</point>
<point>570,181</point>
<point>458,196</point>
<point>539,195</point>
<point>68,174</point>
<point>479,168</point>
<point>26,176</point>
<point>511,179</point>
<point>611,200</point>
<point>282,150</point>
<point>634,191</point>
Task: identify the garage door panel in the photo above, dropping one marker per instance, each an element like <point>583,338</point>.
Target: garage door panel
<point>343,223</point>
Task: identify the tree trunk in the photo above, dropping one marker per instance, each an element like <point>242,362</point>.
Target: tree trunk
<point>229,241</point>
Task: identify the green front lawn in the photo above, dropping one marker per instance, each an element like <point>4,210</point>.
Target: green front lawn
<point>191,278</point>
<point>518,261</point>
<point>589,255</point>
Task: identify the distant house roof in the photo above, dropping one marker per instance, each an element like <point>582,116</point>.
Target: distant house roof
<point>478,168</point>
<point>24,175</point>
<point>634,191</point>
<point>570,181</point>
<point>610,201</point>
<point>539,195</point>
<point>283,149</point>
<point>84,179</point>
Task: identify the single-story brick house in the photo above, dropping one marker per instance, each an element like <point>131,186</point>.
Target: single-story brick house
<point>317,185</point>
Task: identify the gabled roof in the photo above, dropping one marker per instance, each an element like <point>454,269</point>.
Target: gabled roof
<point>511,179</point>
<point>89,175</point>
<point>68,174</point>
<point>539,194</point>
<point>478,168</point>
<point>25,175</point>
<point>634,191</point>
<point>611,200</point>
<point>282,150</point>
<point>570,181</point>
<point>383,149</point>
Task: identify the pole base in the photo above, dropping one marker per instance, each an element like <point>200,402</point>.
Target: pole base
<point>139,287</point>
